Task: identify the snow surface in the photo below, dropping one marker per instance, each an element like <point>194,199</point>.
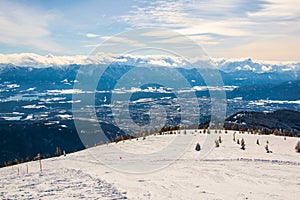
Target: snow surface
<point>226,172</point>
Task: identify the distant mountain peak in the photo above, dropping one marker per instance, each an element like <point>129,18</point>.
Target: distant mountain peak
<point>226,65</point>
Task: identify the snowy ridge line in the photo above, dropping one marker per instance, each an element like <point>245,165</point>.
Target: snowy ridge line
<point>228,65</point>
<point>283,162</point>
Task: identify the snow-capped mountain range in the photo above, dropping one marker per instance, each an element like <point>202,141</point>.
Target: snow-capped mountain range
<point>247,64</point>
<point>226,65</point>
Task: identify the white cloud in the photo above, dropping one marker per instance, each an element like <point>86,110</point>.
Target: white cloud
<point>30,59</point>
<point>116,40</point>
<point>91,35</point>
<point>22,25</point>
<point>230,26</point>
<point>189,17</point>
<point>38,61</point>
<point>279,9</point>
<point>91,45</point>
<point>35,60</point>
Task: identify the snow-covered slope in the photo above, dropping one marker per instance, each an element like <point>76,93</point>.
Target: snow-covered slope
<point>226,172</point>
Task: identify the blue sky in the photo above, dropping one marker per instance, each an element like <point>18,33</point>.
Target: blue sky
<point>260,29</point>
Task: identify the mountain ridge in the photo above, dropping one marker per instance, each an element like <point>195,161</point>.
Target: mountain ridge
<point>226,65</point>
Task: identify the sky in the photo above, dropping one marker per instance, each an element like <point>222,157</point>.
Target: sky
<point>260,29</point>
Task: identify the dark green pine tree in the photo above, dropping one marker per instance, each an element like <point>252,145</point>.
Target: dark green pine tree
<point>297,147</point>
<point>198,147</point>
<point>243,144</point>
<point>220,139</point>
<point>267,148</point>
<point>217,143</point>
<point>57,151</point>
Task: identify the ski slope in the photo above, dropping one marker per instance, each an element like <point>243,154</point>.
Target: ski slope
<point>115,171</point>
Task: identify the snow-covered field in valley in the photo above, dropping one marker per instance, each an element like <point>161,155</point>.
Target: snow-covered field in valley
<point>104,172</point>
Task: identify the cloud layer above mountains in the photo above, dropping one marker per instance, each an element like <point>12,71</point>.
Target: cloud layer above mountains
<point>227,65</point>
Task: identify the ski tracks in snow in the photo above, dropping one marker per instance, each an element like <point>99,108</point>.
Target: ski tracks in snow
<point>56,184</point>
